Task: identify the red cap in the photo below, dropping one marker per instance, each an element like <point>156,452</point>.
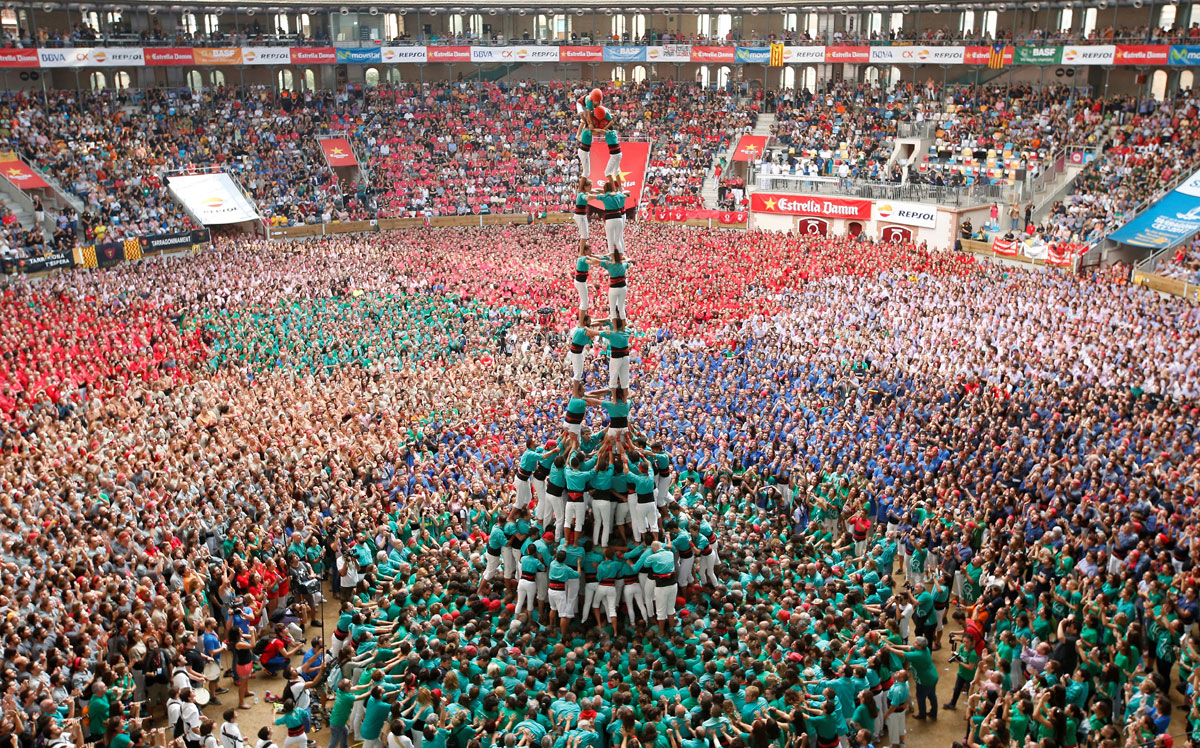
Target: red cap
<point>551,444</point>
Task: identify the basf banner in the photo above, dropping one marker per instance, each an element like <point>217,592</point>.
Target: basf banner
<point>212,198</point>
<point>1038,55</point>
<point>624,54</point>
<point>1168,222</point>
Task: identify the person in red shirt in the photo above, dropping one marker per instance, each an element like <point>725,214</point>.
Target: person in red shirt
<point>276,655</point>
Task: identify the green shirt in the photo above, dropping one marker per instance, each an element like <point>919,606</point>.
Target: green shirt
<point>921,661</point>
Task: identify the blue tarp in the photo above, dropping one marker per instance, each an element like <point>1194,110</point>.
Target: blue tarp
<point>1168,222</point>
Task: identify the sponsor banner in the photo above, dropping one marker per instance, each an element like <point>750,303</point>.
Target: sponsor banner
<point>403,54</point>
<point>338,152</point>
<point>801,55</point>
<point>581,54</point>
<point>61,58</point>
<point>172,242</point>
<point>907,214</point>
<point>53,261</point>
<point>1098,54</point>
<point>1038,55</point>
<point>738,216</point>
<point>312,55</point>
<point>217,55</point>
<point>534,54</point>
<point>449,54</point>
<point>669,53</point>
<point>1006,247</point>
<point>169,56</point>
<point>983,56</point>
<point>18,58</point>
<point>625,54</point>
<point>266,56</point>
<point>752,55</point>
<point>895,234</point>
<point>810,205</point>
<point>847,54</point>
<point>212,198</point>
<point>750,148</point>
<point>359,55</point>
<point>812,226</point>
<point>19,173</point>
<point>712,54</point>
<point>1141,54</point>
<point>1171,220</point>
<point>634,158</point>
<point>491,54</point>
<point>110,254</point>
<point>919,55</point>
<point>1182,54</point>
<point>112,57</point>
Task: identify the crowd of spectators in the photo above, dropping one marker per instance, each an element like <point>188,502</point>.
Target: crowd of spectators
<point>887,442</point>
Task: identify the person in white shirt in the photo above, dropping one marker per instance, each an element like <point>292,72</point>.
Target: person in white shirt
<point>190,714</point>
<point>231,734</point>
<point>174,710</point>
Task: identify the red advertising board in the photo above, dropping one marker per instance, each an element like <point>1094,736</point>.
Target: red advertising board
<point>983,56</point>
<point>19,173</point>
<point>810,205</point>
<point>634,158</point>
<point>19,58</point>
<point>578,54</point>
<point>712,54</point>
<point>750,148</point>
<point>449,54</point>
<point>169,56</point>
<point>1141,54</point>
<point>313,55</point>
<point>847,54</point>
<point>338,152</point>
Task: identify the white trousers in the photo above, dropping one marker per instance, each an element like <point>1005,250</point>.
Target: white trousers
<point>614,232</point>
<point>618,372</point>
<point>558,601</point>
<point>616,300</point>
<point>585,162</point>
<point>606,599</point>
<point>575,512</point>
<point>685,570</point>
<point>573,595</point>
<point>524,492</point>
<point>707,570</point>
<point>576,365</point>
<point>492,568</point>
<point>664,601</point>
<point>557,513</point>
<point>539,493</point>
<point>512,560</point>
<point>526,596</point>
<point>613,167</point>
<point>621,516</point>
<point>642,516</point>
<point>602,520</point>
<point>581,288</point>
<point>662,490</point>
<point>589,596</point>
<point>635,601</point>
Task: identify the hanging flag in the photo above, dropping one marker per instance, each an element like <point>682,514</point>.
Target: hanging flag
<point>750,148</point>
<point>776,60</point>
<point>338,152</point>
<point>996,57</point>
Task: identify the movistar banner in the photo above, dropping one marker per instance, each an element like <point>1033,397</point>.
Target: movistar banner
<point>754,55</point>
<point>1184,55</point>
<point>1168,222</point>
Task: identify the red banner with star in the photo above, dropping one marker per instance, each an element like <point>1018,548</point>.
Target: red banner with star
<point>810,205</point>
<point>338,152</point>
<point>750,148</point>
<point>634,158</point>
<point>19,173</point>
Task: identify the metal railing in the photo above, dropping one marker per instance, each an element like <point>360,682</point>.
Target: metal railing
<point>965,196</point>
<point>924,130</point>
<point>244,35</point>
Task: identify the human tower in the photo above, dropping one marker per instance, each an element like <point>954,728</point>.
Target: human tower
<point>614,475</point>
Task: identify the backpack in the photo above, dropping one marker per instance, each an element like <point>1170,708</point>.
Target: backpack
<point>260,646</point>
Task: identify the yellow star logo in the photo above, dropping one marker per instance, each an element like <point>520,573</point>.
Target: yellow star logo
<point>751,149</point>
<point>15,172</point>
<point>770,203</point>
<point>625,175</point>
<point>338,152</point>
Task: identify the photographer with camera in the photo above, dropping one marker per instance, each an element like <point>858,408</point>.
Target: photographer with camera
<point>967,657</point>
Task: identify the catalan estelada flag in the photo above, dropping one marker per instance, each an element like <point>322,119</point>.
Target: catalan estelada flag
<point>776,56</point>
<point>996,57</point>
